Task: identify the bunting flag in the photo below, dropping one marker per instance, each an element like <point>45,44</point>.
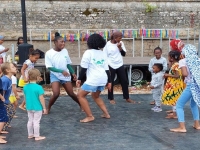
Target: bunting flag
<point>146,33</point>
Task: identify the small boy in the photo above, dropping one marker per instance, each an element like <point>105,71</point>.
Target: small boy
<point>3,50</point>
<point>8,69</point>
<point>157,85</point>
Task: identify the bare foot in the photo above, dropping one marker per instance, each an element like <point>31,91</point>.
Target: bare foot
<point>152,103</point>
<point>87,119</point>
<point>169,111</point>
<point>2,137</point>
<point>40,138</point>
<point>9,126</point>
<point>171,117</point>
<point>21,107</point>
<point>178,130</point>
<point>107,116</point>
<point>15,116</point>
<point>4,132</point>
<point>30,137</point>
<point>112,102</point>
<point>196,127</point>
<point>131,101</point>
<point>2,141</point>
<point>48,110</point>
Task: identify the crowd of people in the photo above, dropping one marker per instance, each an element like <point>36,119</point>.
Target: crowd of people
<point>100,62</point>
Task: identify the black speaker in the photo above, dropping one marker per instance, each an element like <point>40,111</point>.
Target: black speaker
<point>23,52</point>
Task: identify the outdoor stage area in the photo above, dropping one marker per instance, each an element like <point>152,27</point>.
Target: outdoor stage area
<point>131,127</point>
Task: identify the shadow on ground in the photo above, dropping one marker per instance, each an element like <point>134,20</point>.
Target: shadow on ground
<point>131,127</point>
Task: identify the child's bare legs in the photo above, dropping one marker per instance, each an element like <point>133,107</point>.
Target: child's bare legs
<point>100,103</point>
<point>22,105</point>
<point>85,106</point>
<point>56,92</point>
<point>69,89</point>
<point>2,141</point>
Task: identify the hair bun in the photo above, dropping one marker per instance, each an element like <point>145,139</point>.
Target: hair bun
<point>57,34</point>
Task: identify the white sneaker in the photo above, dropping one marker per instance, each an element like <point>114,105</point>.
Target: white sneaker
<point>158,109</point>
<point>155,107</point>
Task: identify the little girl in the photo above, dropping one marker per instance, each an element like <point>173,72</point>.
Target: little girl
<point>95,66</point>
<point>156,86</point>
<point>174,85</point>
<point>35,104</point>
<point>14,97</point>
<point>34,55</point>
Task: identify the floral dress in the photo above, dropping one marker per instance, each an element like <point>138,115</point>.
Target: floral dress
<point>173,87</point>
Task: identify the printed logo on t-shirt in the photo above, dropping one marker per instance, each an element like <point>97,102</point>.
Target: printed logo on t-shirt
<point>98,62</point>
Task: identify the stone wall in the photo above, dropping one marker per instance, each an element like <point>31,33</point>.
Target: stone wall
<point>123,14</point>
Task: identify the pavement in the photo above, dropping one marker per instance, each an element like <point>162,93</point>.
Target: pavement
<point>131,127</point>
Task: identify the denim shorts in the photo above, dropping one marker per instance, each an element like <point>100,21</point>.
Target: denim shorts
<point>53,78</point>
<point>90,88</point>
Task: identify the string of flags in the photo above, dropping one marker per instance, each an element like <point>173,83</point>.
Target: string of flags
<point>145,33</point>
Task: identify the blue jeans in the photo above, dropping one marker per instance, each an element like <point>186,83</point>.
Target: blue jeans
<point>183,99</point>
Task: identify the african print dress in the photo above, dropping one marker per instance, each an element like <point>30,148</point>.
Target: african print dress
<point>173,87</point>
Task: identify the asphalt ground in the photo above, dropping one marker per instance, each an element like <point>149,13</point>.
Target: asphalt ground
<point>131,127</point>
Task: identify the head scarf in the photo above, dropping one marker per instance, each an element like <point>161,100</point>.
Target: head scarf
<point>176,44</point>
<point>1,37</point>
<point>193,64</point>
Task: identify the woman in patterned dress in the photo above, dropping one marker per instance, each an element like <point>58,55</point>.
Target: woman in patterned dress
<point>174,85</point>
<point>190,67</point>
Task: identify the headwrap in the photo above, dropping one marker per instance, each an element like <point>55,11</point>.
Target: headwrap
<point>193,64</point>
<point>176,44</point>
<point>1,37</point>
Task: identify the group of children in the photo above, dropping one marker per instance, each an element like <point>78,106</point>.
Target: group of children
<point>179,85</point>
<point>100,62</point>
<point>33,95</point>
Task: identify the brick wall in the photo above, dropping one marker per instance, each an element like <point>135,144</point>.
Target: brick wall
<point>63,14</point>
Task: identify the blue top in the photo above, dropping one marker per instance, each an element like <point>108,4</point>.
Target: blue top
<point>7,88</point>
<point>1,90</point>
<point>32,92</point>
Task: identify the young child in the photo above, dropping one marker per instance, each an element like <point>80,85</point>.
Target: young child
<point>14,97</point>
<point>35,104</point>
<point>3,113</point>
<point>157,59</point>
<point>34,55</point>
<point>8,70</point>
<point>174,85</point>
<point>57,60</point>
<point>156,86</point>
<point>3,50</point>
<point>95,66</point>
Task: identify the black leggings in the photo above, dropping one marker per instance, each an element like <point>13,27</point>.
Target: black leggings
<point>121,74</point>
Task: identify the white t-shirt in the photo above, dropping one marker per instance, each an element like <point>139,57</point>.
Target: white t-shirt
<point>96,64</point>
<point>1,49</point>
<point>30,65</point>
<point>58,60</point>
<point>114,55</point>
<point>182,63</point>
<point>162,61</point>
<point>14,81</point>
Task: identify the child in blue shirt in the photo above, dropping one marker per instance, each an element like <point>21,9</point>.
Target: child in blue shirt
<point>3,113</point>
<point>35,104</point>
<point>8,69</point>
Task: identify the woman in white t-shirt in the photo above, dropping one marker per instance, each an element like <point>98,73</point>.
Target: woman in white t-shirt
<point>114,50</point>
<point>190,67</point>
<point>57,60</point>
<point>94,64</point>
